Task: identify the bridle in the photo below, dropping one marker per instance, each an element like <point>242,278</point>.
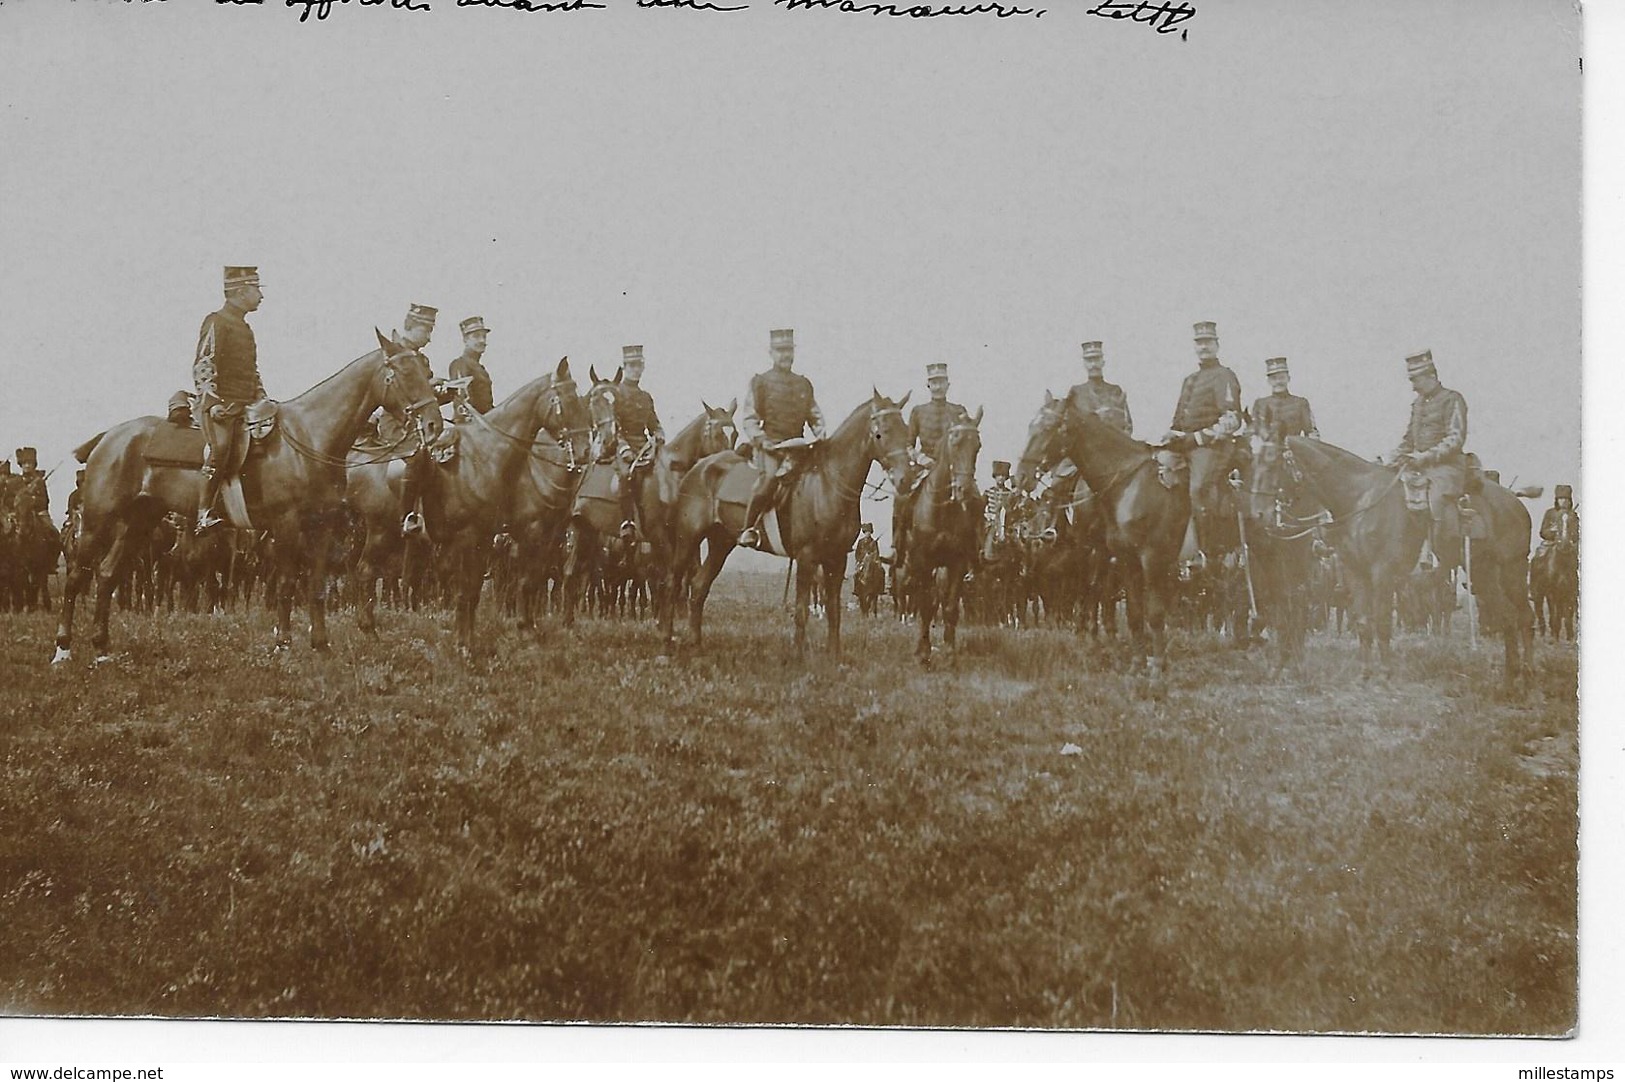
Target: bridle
<point>877,432</point>
<point>956,471</point>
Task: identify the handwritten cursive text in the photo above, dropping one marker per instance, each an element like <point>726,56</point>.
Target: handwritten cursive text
<point>697,5</point>
<point>1163,17</point>
<point>324,8</point>
<point>531,5</point>
<point>912,11</point>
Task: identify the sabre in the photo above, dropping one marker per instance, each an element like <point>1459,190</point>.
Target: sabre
<point>1246,556</point>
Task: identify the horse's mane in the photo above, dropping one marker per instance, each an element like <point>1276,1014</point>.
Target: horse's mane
<point>314,388</point>
<point>1116,441</point>
<point>1338,477</point>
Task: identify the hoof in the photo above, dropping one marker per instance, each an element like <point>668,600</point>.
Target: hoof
<point>283,647</point>
<point>62,654</point>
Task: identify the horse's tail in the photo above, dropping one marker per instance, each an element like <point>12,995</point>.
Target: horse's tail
<point>82,452</point>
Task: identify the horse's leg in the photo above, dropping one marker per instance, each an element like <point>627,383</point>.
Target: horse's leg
<point>319,534</point>
<point>806,573</point>
<point>950,614</point>
<point>114,567</point>
<point>717,548</point>
<point>290,554</point>
<point>834,576</point>
<point>81,571</point>
<point>1153,588</point>
<point>925,600</point>
<point>575,542</point>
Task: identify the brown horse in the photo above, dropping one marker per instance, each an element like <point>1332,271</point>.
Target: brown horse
<point>1145,519</point>
<point>599,507</point>
<point>1277,527</point>
<point>1497,566</point>
<point>466,500</point>
<point>292,484</point>
<point>1376,537</point>
<point>815,523</point>
<point>945,533</point>
<point>1554,583</point>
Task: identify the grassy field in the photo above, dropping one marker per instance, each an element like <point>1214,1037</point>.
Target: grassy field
<point>571,828</point>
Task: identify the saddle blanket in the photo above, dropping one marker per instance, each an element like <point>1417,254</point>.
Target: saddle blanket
<point>171,445</point>
<point>735,489</point>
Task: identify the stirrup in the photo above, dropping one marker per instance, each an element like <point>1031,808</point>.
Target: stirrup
<point>750,537</point>
<point>412,524</point>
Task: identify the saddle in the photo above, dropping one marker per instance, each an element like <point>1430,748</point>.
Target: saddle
<point>180,445</point>
<point>1173,468</point>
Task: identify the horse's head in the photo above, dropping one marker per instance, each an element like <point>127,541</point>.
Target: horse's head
<point>1045,438</point>
<point>402,387</point>
<point>888,436</point>
<point>960,446</point>
<point>564,413</point>
<point>600,399</point>
<point>718,432</point>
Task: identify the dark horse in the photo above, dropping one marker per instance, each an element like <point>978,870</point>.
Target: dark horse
<point>1379,541</point>
<point>292,483</point>
<point>34,544</point>
<point>1277,531</point>
<point>1145,518</point>
<point>943,538</point>
<point>1554,582</point>
<point>815,522</point>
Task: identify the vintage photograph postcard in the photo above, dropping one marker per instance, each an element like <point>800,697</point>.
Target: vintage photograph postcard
<point>1044,514</point>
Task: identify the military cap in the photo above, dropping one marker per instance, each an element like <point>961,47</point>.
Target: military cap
<point>1001,468</point>
<point>630,354</point>
<point>781,339</point>
<point>1492,476</point>
<point>936,370</point>
<point>27,458</point>
<point>421,313</point>
<point>1092,350</point>
<point>242,276</point>
<point>1563,492</point>
<point>868,527</point>
<point>1274,365</point>
<point>470,325</point>
<point>1420,364</point>
<point>1207,330</point>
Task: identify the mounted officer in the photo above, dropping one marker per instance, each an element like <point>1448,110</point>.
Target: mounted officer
<point>927,424</point>
<point>31,479</point>
<point>469,366</point>
<point>1276,416</point>
<point>778,406</point>
<point>867,550</point>
<point>1105,400</point>
<point>1561,522</point>
<point>226,371</point>
<point>640,434</point>
<point>1432,449</point>
<point>416,331</point>
<point>1000,502</point>
<point>1210,398</point>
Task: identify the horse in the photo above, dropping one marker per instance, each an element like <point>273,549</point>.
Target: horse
<point>814,523</point>
<point>1554,581</point>
<point>1145,517</point>
<point>1376,537</point>
<point>292,483</point>
<point>599,507</point>
<point>1497,526</point>
<point>1219,556</point>
<point>1277,529</point>
<point>466,500</point>
<point>868,583</point>
<point>947,518</point>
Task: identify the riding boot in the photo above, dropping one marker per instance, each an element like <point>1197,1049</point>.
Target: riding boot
<point>210,492</point>
<point>761,498</point>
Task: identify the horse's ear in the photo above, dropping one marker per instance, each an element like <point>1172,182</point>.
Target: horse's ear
<point>563,370</point>
<point>1049,399</point>
<point>977,420</point>
<point>733,404</point>
<point>619,371</point>
<point>592,373</point>
<point>383,343</point>
<point>906,397</point>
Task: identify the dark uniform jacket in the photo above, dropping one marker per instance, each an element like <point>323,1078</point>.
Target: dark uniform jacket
<point>479,387</point>
<point>1277,416</point>
<point>1438,428</point>
<point>635,413</point>
<point>783,403</point>
<point>1206,395</point>
<point>867,548</point>
<point>226,365</point>
<point>1106,401</point>
<point>929,422</point>
<point>1552,526</point>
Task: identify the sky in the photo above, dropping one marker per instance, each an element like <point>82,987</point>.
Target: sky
<point>1340,184</point>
